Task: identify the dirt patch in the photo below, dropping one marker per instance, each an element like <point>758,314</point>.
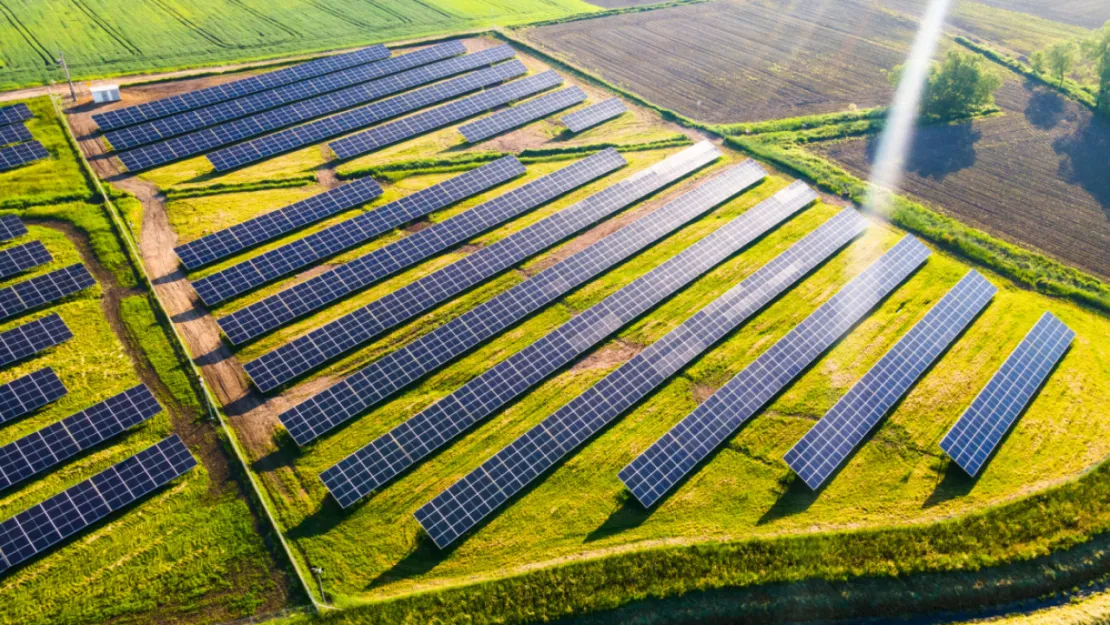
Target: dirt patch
<point>612,355</point>
<point>703,392</point>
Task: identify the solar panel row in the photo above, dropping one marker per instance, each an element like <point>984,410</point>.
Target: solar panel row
<point>181,123</point>
<point>14,114</point>
<point>14,133</point>
<point>35,530</point>
<point>50,287</point>
<point>269,226</point>
<point>313,294</point>
<point>478,494</point>
<point>118,118</point>
<point>312,133</point>
<point>31,338</point>
<point>253,273</point>
<point>426,121</point>
<point>29,393</point>
<point>323,344</point>
<point>657,470</point>
<point>392,372</point>
<point>23,257</point>
<point>826,446</point>
<point>207,139</point>
<point>522,114</point>
<point>594,114</point>
<point>55,443</point>
<point>980,429</point>
<point>11,228</point>
<point>21,154</point>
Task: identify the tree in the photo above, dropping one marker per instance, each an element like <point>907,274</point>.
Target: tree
<point>1097,50</point>
<point>961,85</point>
<point>1060,59</point>
<point>1037,61</point>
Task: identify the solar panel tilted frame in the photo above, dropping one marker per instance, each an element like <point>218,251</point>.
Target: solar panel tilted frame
<point>14,114</point>
<point>996,408</point>
<point>281,308</point>
<point>11,227</point>
<point>188,121</point>
<point>20,154</point>
<point>14,133</point>
<point>668,460</point>
<point>50,446</point>
<point>393,371</point>
<point>255,272</point>
<point>31,338</point>
<point>464,504</point>
<point>237,131</point>
<point>310,350</point>
<point>829,443</point>
<point>127,116</point>
<point>521,114</point>
<point>42,526</point>
<point>44,289</point>
<point>29,393</point>
<point>23,257</point>
<point>594,114</point>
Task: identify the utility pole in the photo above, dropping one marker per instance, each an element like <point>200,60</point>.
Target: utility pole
<point>65,68</point>
<point>318,573</point>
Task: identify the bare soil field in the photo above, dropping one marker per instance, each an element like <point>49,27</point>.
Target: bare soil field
<point>1035,175</point>
<point>735,61</point>
<point>620,4</point>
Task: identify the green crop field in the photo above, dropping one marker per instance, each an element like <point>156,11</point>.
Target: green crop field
<point>109,37</point>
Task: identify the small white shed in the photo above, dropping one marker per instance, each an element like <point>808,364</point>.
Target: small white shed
<point>105,93</point>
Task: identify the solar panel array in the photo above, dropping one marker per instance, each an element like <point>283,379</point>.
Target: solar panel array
<point>392,372</point>
<point>50,287</point>
<point>230,241</point>
<point>204,140</point>
<point>79,432</point>
<point>825,447</point>
<point>31,338</point>
<point>657,470</point>
<point>14,133</point>
<point>11,227</point>
<point>119,118</point>
<point>594,114</point>
<point>251,274</point>
<point>279,309</point>
<point>181,123</point>
<point>312,133</point>
<point>980,429</point>
<point>522,114</point>
<point>427,121</point>
<point>323,344</point>
<point>35,530</point>
<point>29,393</point>
<point>14,114</point>
<point>467,502</point>
<point>23,257</point>
<point>20,154</point>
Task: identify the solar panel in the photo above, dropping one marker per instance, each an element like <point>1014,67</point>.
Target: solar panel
<point>283,307</point>
<point>663,465</point>
<point>35,530</point>
<point>31,338</point>
<point>14,133</point>
<point>118,118</point>
<point>269,226</point>
<point>21,154</point>
<point>55,443</point>
<point>11,228</point>
<point>327,342</point>
<point>229,133</point>
<point>181,123</point>
<point>253,273</point>
<point>44,289</point>
<point>392,372</point>
<point>465,503</point>
<point>14,114</point>
<point>23,257</point>
<point>825,447</point>
<point>980,429</point>
<point>29,393</point>
<point>594,114</point>
<point>521,114</point>
<point>427,121</point>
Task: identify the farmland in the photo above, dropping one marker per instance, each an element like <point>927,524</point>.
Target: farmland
<point>1085,13</point>
<point>1033,174</point>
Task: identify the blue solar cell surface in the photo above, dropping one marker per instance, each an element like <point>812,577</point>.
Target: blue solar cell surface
<point>44,289</point>
<point>18,259</point>
<point>594,114</point>
<point>466,503</point>
<point>521,114</point>
<point>29,393</point>
<point>20,154</point>
<point>11,227</point>
<point>14,114</point>
<point>14,133</point>
<point>31,338</point>
<point>980,429</point>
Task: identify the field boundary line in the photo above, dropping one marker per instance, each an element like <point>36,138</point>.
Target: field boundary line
<point>1075,93</point>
